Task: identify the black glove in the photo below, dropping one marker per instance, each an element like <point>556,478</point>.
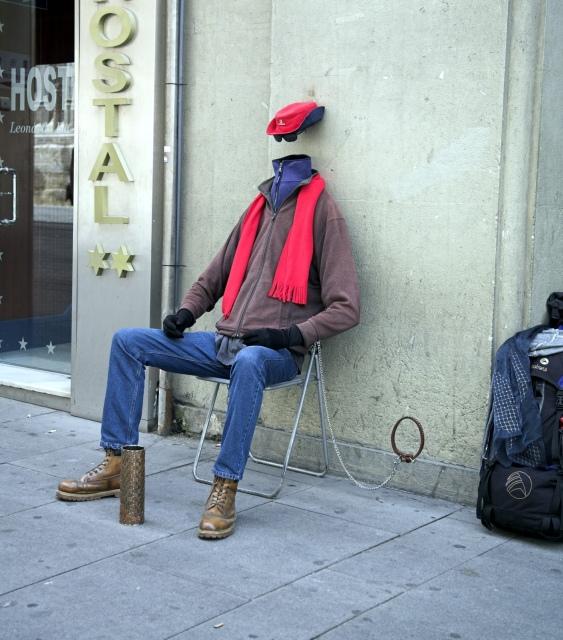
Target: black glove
<point>274,338</point>
<point>175,324</point>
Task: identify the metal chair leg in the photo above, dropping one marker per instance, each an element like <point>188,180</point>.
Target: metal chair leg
<point>202,438</point>
<point>305,384</point>
<point>322,416</point>
<point>285,466</point>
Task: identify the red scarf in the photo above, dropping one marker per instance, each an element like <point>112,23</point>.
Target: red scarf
<point>292,273</point>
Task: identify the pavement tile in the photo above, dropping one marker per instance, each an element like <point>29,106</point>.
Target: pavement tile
<point>495,595</point>
<point>19,444</point>
<point>531,554</point>
<point>106,600</point>
<point>385,508</point>
<point>466,514</point>
<point>161,454</point>
<point>274,544</point>
<point>15,410</point>
<point>70,462</point>
<point>300,610</point>
<point>257,479</point>
<point>167,453</point>
<point>23,489</point>
<point>61,422</point>
<point>59,536</point>
<point>290,476</point>
<point>412,559</point>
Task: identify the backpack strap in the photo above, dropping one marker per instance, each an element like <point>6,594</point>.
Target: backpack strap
<point>484,506</point>
<point>557,441</point>
<point>548,526</point>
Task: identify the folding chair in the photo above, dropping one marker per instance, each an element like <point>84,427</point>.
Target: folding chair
<point>301,380</point>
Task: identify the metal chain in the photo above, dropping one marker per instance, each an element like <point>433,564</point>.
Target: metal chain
<point>358,483</point>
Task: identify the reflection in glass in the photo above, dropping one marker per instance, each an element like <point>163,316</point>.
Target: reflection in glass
<point>36,145</point>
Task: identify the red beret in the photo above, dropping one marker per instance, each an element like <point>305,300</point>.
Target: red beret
<point>289,118</point>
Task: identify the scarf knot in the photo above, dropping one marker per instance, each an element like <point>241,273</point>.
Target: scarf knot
<point>292,271</point>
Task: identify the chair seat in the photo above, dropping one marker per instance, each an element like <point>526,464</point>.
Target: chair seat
<point>294,382</point>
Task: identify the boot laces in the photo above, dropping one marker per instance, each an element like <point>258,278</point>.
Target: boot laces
<point>218,495</point>
<point>99,468</point>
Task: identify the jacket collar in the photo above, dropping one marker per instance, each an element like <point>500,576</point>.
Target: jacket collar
<point>291,173</point>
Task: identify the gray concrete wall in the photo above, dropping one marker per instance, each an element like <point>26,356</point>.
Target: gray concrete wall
<point>413,148</point>
<point>548,220</point>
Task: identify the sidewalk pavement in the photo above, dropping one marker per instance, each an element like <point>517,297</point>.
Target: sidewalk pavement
<point>324,560</point>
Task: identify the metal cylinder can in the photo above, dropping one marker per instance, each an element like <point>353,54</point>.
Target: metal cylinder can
<point>132,493</point>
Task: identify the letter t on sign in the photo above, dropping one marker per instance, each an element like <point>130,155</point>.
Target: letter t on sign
<point>111,129</point>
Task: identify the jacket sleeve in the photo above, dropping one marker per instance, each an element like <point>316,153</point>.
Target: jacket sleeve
<point>337,273</point>
<point>210,286</point>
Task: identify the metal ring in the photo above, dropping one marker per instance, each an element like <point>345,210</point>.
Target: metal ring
<point>407,457</point>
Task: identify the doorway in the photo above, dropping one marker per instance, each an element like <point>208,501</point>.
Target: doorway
<point>36,182</point>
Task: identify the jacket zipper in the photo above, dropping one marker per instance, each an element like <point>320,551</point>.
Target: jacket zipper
<point>276,185</point>
<point>277,181</point>
<point>251,294</point>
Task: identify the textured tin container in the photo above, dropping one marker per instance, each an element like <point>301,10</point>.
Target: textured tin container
<point>132,494</point>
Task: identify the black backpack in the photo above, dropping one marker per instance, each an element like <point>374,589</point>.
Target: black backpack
<point>522,498</point>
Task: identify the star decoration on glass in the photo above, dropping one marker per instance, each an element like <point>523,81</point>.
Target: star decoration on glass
<point>122,261</point>
<point>98,259</point>
<point>50,347</point>
<point>23,344</point>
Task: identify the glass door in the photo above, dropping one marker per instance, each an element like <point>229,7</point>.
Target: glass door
<point>36,182</point>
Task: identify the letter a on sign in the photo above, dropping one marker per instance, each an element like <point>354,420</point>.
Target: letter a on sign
<point>110,160</point>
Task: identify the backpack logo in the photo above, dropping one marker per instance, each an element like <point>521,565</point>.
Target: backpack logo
<point>519,485</point>
<point>544,361</point>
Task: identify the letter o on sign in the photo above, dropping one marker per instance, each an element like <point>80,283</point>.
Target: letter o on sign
<point>98,24</point>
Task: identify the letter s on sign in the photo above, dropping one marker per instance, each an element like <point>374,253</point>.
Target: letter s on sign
<point>121,80</point>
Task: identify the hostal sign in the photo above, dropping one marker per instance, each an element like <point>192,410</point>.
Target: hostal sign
<point>112,81</point>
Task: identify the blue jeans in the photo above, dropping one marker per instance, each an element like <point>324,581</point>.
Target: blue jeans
<point>254,368</point>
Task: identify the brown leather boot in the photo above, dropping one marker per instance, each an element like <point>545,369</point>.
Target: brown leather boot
<point>100,482</point>
<point>218,520</point>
